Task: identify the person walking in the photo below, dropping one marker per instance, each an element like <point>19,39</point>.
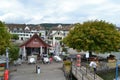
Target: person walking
<point>93,65</point>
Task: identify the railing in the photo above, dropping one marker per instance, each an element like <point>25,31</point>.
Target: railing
<point>83,73</point>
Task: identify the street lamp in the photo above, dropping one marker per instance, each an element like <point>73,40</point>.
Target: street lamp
<point>7,59</point>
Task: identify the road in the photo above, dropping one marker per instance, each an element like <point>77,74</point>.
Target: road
<point>51,71</point>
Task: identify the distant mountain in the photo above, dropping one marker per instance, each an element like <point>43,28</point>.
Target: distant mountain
<point>46,25</point>
<point>53,24</point>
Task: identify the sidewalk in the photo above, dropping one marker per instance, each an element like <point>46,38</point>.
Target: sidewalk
<point>51,71</point>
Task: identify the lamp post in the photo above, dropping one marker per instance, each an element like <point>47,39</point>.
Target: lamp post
<point>6,72</point>
<point>7,59</point>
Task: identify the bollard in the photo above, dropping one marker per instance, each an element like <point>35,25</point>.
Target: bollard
<point>38,69</point>
<point>6,75</point>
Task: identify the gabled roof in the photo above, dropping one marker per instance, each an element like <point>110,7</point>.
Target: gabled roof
<point>60,33</point>
<point>35,42</point>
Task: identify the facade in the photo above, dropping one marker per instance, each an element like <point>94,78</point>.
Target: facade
<point>55,34</point>
<point>26,31</point>
<point>58,33</point>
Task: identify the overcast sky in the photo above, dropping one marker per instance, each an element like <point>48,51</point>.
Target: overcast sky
<point>59,11</point>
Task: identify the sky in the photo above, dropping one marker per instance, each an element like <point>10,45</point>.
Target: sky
<point>59,11</point>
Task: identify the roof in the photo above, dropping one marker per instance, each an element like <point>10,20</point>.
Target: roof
<point>35,42</point>
<point>63,28</point>
<point>57,32</point>
<point>24,27</point>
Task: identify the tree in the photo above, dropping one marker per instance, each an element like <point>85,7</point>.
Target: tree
<point>13,52</point>
<point>40,34</point>
<point>4,38</point>
<point>94,36</point>
<point>15,36</point>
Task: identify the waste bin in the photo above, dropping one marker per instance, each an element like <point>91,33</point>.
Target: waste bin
<point>37,69</point>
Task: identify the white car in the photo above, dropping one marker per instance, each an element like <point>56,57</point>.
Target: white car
<point>57,58</point>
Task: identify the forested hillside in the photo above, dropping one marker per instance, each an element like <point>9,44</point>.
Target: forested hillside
<point>49,25</point>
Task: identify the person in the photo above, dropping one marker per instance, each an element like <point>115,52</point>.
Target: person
<point>51,59</point>
<point>93,65</point>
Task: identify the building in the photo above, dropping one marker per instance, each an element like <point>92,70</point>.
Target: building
<point>56,34</point>
<point>26,31</point>
<point>53,36</point>
<point>34,46</point>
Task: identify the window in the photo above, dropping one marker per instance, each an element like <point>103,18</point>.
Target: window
<point>58,38</point>
<point>20,29</point>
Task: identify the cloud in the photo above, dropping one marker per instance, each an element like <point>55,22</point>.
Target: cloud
<point>59,11</point>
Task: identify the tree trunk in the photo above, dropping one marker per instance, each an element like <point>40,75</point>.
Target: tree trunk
<point>90,53</point>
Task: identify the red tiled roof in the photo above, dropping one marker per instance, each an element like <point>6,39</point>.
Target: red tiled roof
<point>35,42</point>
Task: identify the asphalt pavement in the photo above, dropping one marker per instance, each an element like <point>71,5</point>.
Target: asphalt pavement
<point>26,71</point>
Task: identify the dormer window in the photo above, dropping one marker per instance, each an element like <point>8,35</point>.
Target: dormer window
<point>27,28</point>
<point>59,26</point>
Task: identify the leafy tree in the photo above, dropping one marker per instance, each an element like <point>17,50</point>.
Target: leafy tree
<point>40,34</point>
<point>15,36</point>
<point>13,52</point>
<point>4,38</point>
<point>94,36</point>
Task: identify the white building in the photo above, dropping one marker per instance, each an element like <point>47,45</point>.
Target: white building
<point>26,31</point>
<point>52,37</point>
<point>58,33</point>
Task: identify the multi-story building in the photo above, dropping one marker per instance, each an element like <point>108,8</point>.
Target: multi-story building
<point>53,36</point>
<point>26,31</point>
<point>58,33</point>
